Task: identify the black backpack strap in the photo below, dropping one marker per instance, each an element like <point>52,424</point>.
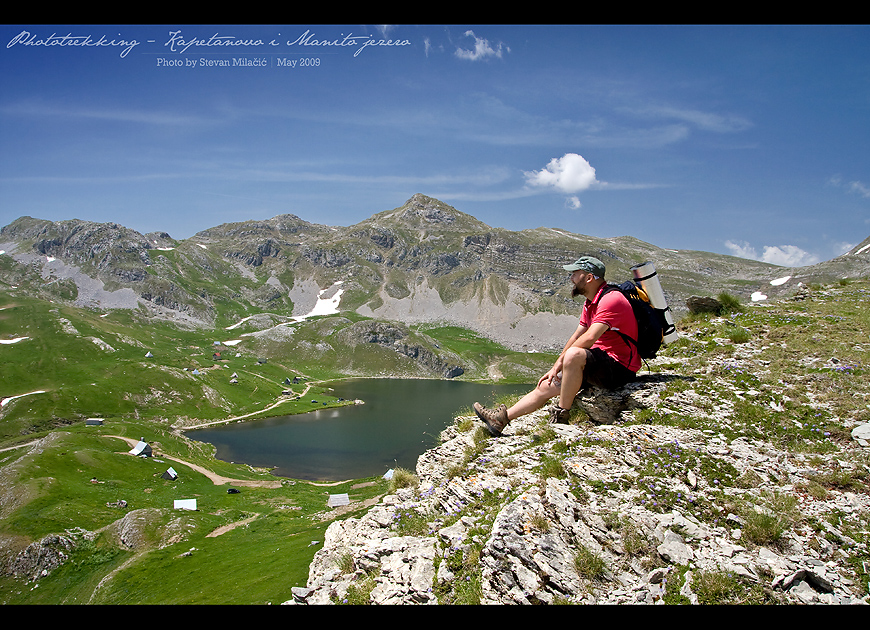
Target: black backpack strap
<point>631,343</point>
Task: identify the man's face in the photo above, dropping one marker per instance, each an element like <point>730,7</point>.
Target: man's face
<point>580,279</point>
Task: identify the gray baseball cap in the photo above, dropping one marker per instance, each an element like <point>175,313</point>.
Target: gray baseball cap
<point>587,264</point>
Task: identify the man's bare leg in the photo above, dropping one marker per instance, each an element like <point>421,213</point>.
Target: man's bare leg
<point>572,376</point>
<point>566,388</point>
<point>533,401</point>
<point>572,380</point>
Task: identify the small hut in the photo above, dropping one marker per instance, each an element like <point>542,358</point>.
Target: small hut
<point>142,449</point>
<point>336,500</point>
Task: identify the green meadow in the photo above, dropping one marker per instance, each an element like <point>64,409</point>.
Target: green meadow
<point>147,379</point>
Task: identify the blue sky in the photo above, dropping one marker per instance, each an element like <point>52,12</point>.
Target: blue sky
<point>745,140</point>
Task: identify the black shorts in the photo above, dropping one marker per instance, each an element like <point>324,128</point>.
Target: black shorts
<point>605,371</point>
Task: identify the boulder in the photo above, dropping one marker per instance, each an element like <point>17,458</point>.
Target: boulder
<point>604,406</point>
<point>697,304</point>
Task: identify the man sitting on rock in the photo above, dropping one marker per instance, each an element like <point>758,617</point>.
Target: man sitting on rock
<point>594,355</point>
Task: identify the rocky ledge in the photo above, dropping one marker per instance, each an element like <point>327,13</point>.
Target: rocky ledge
<point>625,513</point>
<point>735,470</point>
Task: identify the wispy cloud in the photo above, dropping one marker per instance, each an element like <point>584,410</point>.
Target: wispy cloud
<point>427,46</point>
<point>860,188</point>
<point>293,172</point>
<point>43,110</point>
<point>706,121</point>
<point>482,49</point>
<point>856,186</point>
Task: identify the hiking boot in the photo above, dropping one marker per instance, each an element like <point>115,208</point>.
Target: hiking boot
<point>558,415</point>
<point>494,419</point>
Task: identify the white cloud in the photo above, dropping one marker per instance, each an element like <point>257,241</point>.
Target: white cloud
<point>860,188</point>
<point>783,255</point>
<point>788,256</point>
<point>570,173</point>
<point>482,49</point>
<point>742,250</point>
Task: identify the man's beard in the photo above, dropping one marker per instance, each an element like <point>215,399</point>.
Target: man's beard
<point>576,291</point>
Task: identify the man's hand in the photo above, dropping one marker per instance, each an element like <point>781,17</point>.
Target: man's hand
<point>549,377</point>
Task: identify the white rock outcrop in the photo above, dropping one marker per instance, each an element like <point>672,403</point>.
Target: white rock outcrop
<point>643,501</point>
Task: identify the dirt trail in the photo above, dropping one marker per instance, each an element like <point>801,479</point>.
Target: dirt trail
<point>247,415</point>
<point>231,526</point>
<point>216,479</point>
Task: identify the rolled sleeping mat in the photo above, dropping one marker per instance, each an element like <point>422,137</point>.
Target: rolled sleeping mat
<point>646,278</point>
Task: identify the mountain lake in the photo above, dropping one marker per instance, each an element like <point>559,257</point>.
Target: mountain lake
<point>401,419</point>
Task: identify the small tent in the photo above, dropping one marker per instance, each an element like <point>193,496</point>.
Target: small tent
<point>148,355</point>
<point>170,474</point>
<point>184,504</point>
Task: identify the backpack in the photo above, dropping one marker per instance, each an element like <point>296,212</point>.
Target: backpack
<point>651,323</point>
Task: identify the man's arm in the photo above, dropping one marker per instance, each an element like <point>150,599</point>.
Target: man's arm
<point>581,330</point>
<point>583,337</point>
<point>588,337</point>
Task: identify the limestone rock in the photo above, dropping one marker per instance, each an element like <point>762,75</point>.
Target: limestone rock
<point>530,536</point>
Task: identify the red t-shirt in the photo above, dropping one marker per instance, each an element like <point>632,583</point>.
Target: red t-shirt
<point>614,310</point>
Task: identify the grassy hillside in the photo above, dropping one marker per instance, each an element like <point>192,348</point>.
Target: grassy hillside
<point>158,555</point>
<point>86,363</point>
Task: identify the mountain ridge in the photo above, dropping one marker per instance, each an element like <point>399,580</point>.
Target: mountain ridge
<point>421,262</point>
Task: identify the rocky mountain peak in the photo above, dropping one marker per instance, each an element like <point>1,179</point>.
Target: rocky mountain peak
<point>429,214</point>
<point>429,209</point>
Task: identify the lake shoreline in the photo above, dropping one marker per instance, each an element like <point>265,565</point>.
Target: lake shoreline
<point>254,415</point>
<point>401,419</point>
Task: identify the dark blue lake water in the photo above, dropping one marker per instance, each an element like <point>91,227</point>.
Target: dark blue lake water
<point>401,418</point>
